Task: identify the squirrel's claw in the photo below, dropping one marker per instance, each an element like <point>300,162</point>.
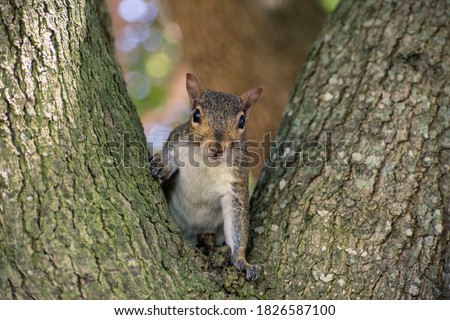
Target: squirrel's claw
<point>158,168</point>
<point>252,271</point>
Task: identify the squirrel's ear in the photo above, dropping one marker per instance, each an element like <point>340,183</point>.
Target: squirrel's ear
<point>194,88</point>
<point>250,97</point>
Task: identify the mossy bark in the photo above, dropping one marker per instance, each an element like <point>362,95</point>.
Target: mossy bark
<point>361,208</point>
<point>80,216</point>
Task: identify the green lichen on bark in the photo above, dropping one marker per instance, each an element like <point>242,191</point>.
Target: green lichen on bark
<point>79,216</point>
<point>372,220</point>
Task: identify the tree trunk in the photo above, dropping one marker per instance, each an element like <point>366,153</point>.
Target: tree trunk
<point>361,207</point>
<point>81,218</point>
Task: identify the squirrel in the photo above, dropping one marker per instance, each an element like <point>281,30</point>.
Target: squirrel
<point>203,170</point>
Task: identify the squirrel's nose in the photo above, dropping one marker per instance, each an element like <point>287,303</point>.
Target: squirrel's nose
<point>215,150</point>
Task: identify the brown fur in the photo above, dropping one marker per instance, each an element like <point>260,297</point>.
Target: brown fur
<point>213,196</point>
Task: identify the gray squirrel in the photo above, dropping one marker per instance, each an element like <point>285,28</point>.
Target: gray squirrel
<point>204,171</point>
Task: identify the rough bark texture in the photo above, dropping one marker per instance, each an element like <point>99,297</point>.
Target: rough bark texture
<point>242,44</point>
<point>371,220</point>
<point>80,217</point>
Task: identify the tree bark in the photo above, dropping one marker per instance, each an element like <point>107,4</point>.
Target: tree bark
<point>367,214</point>
<point>81,218</point>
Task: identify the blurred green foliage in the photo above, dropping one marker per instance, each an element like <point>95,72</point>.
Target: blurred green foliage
<point>329,5</point>
<point>149,46</point>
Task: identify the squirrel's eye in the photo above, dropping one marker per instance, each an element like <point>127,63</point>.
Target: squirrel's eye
<point>241,123</point>
<point>197,116</point>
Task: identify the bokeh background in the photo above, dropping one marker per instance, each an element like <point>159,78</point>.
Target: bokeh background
<point>230,46</point>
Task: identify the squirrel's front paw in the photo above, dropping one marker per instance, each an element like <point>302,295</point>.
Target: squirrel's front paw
<point>252,271</point>
<point>158,168</point>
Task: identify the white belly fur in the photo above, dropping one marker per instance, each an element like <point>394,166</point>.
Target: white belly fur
<point>196,200</point>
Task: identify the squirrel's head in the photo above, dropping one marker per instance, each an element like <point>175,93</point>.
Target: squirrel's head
<point>217,118</point>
